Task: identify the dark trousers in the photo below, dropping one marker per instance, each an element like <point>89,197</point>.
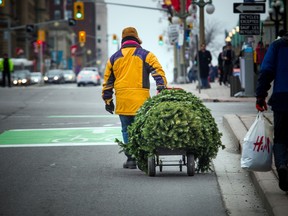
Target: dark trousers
<point>4,74</point>
<point>228,71</point>
<point>221,76</point>
<point>280,138</point>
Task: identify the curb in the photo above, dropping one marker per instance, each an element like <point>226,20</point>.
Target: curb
<point>266,183</point>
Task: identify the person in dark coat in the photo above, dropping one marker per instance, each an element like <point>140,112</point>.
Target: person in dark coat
<point>228,63</point>
<point>274,67</point>
<point>205,59</point>
<point>220,65</point>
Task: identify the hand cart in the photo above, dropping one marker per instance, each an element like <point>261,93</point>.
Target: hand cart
<point>187,160</point>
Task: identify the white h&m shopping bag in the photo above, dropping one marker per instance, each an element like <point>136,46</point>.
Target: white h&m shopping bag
<point>257,147</point>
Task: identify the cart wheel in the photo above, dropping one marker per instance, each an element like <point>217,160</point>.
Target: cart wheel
<point>190,165</point>
<point>151,166</point>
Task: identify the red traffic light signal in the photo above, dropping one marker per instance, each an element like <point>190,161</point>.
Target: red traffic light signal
<point>39,42</point>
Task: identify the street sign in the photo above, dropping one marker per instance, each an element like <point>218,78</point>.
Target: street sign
<point>173,33</point>
<point>249,8</point>
<point>249,24</point>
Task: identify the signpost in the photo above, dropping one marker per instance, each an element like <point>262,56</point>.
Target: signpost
<point>173,33</point>
<point>249,8</point>
<point>249,24</point>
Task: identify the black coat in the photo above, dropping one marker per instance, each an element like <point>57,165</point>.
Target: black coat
<point>205,59</point>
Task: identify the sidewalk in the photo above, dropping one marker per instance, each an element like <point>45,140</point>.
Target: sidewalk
<point>266,183</point>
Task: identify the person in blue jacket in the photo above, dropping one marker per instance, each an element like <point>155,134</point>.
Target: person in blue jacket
<point>275,68</point>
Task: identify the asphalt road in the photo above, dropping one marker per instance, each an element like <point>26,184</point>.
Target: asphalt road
<point>82,178</point>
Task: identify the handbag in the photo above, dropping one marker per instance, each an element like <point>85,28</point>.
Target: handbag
<point>258,146</point>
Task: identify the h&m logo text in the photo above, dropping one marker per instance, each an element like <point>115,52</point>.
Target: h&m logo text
<point>259,145</point>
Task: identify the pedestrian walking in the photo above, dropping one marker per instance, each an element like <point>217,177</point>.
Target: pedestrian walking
<point>274,68</point>
<point>220,65</point>
<point>205,59</point>
<point>259,54</point>
<point>127,72</point>
<point>6,66</point>
<point>228,63</point>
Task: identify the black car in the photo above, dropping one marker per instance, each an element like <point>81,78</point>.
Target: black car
<point>21,77</point>
<point>54,76</point>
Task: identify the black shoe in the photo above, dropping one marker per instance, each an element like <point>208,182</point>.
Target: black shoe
<point>283,177</point>
<point>130,164</point>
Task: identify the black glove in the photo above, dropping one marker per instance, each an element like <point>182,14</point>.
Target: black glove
<point>160,88</point>
<point>261,104</point>
<point>110,107</point>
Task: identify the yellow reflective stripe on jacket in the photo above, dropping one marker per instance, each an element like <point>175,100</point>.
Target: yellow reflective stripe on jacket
<point>11,65</point>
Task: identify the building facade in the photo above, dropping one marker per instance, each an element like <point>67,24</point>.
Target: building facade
<point>31,27</point>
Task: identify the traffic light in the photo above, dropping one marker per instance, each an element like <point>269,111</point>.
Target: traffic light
<point>160,41</point>
<point>114,39</point>
<point>190,26</point>
<point>71,22</point>
<point>78,10</point>
<point>2,3</point>
<point>41,35</point>
<point>30,28</point>
<point>82,36</point>
<point>39,42</point>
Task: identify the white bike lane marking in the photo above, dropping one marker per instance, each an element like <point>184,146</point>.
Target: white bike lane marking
<point>60,137</point>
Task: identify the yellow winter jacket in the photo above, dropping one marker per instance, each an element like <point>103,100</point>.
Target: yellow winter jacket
<point>127,72</point>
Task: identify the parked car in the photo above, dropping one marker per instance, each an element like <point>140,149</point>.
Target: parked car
<point>21,77</point>
<point>54,76</point>
<point>69,76</point>
<point>36,77</point>
<point>91,68</point>
<point>88,77</point>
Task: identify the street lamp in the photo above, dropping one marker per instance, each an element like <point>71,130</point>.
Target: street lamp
<point>276,13</point>
<point>209,9</point>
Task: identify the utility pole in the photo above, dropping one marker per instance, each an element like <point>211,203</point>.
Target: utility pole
<point>182,77</point>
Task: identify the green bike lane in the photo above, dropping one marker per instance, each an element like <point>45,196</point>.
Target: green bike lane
<point>60,137</point>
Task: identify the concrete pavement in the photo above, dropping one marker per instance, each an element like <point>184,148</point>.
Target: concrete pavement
<point>266,183</point>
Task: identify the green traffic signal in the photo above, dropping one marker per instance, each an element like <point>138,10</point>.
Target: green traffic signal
<point>2,3</point>
<point>78,10</point>
<point>79,15</point>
